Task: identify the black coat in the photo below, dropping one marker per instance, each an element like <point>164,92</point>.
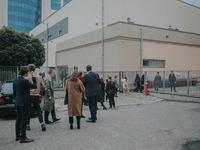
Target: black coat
<point>110,87</point>
<point>21,90</point>
<point>172,79</point>
<point>157,79</point>
<point>91,81</point>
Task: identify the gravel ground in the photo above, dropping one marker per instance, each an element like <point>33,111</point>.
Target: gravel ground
<point>151,126</point>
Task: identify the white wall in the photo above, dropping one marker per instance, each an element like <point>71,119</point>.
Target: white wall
<point>158,13</point>
<point>46,9</point>
<point>3,13</point>
<point>83,16</point>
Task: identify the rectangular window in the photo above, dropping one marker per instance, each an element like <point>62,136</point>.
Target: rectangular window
<point>154,63</point>
<point>55,4</point>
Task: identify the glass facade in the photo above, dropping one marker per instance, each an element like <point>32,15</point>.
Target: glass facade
<point>55,4</point>
<point>66,1</point>
<point>24,15</point>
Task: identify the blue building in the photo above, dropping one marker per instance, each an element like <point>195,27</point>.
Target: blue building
<point>24,15</point>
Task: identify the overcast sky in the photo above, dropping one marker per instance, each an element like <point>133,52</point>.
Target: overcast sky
<point>193,2</point>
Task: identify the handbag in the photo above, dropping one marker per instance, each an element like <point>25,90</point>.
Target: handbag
<point>66,98</point>
<point>111,92</point>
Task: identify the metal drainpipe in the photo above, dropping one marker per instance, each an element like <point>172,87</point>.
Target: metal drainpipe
<point>102,40</point>
<point>47,49</point>
<point>141,48</point>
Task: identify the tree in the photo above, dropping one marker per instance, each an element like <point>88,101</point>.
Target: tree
<point>19,48</point>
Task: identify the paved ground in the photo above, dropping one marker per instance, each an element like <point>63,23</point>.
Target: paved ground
<point>152,126</point>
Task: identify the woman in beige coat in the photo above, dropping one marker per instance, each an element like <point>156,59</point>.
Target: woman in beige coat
<point>74,87</point>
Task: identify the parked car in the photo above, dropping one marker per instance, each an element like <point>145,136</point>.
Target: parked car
<point>6,100</point>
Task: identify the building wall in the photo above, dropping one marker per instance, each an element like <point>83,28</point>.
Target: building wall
<point>46,9</point>
<point>4,13</point>
<point>158,13</point>
<point>86,16</point>
<point>80,19</point>
<point>178,57</point>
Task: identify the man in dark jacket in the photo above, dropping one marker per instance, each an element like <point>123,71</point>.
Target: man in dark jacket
<point>157,81</point>
<point>21,96</point>
<point>137,80</point>
<point>172,81</point>
<point>91,82</point>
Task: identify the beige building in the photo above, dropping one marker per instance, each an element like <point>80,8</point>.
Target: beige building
<point>170,39</point>
<point>163,49</point>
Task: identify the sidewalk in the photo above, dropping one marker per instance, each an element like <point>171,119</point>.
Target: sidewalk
<point>122,100</point>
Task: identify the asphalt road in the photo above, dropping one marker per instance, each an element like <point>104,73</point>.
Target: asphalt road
<point>153,126</point>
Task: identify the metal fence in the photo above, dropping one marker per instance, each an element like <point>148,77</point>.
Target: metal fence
<point>187,82</point>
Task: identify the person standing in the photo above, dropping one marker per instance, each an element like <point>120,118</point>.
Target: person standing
<point>91,81</point>
<point>137,80</point>
<point>110,90</point>
<point>116,85</point>
<point>74,87</point>
<point>172,81</point>
<point>142,83</point>
<point>21,97</point>
<point>48,100</point>
<point>125,85</point>
<point>102,94</point>
<point>35,97</point>
<point>82,94</point>
<point>157,81</point>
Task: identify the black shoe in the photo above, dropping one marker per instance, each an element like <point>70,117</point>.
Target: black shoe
<point>48,122</point>
<point>175,91</point>
<point>91,118</point>
<point>28,128</point>
<point>18,138</point>
<point>57,119</point>
<point>43,127</point>
<point>91,121</point>
<point>97,108</point>
<point>82,116</point>
<point>78,127</point>
<point>71,126</point>
<point>104,108</point>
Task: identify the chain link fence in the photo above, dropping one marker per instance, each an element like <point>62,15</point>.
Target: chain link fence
<point>187,82</point>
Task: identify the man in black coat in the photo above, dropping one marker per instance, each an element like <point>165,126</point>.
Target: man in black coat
<point>91,82</point>
<point>157,81</point>
<point>21,96</point>
<point>172,81</point>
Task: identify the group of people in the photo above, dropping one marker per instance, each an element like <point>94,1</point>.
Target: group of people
<point>28,87</point>
<point>157,80</point>
<point>172,81</point>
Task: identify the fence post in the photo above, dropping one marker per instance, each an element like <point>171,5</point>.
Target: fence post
<point>120,81</point>
<point>17,72</point>
<point>163,81</point>
<point>188,83</point>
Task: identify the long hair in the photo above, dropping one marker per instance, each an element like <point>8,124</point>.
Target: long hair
<point>74,76</point>
<point>111,80</point>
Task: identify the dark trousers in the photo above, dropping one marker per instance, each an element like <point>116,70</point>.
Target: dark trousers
<point>102,100</point>
<point>21,121</point>
<point>36,103</point>
<point>172,86</point>
<point>93,106</point>
<point>71,120</point>
<point>82,105</point>
<point>116,91</point>
<point>156,87</point>
<point>141,88</point>
<point>111,101</point>
<point>53,114</point>
<point>137,86</point>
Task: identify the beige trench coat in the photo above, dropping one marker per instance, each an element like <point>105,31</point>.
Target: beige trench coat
<point>74,97</point>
